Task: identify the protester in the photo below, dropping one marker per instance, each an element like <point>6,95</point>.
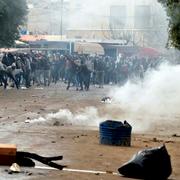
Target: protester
<point>79,71</point>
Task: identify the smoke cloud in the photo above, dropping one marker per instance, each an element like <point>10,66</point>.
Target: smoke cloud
<point>88,116</point>
<point>155,101</point>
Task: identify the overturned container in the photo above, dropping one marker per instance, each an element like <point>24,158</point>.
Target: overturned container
<point>115,133</point>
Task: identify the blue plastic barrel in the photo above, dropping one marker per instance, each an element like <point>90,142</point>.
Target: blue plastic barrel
<point>115,133</point>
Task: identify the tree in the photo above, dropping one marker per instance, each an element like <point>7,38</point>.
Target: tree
<point>173,12</point>
<point>12,15</point>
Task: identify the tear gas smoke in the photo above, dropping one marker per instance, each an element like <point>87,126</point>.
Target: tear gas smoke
<point>154,101</point>
<point>88,116</point>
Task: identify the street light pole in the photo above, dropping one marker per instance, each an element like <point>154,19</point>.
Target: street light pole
<point>61,31</point>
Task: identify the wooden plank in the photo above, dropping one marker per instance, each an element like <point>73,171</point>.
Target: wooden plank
<point>7,154</point>
<point>8,149</point>
<point>6,160</point>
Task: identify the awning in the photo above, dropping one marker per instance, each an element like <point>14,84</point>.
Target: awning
<point>31,38</point>
<point>20,43</point>
<point>88,48</point>
<point>6,50</point>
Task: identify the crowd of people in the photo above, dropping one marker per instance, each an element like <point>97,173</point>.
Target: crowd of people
<point>79,71</point>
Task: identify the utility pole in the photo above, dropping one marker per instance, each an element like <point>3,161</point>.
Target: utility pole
<point>61,28</point>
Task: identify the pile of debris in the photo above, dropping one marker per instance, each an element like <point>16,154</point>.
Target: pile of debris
<point>9,156</point>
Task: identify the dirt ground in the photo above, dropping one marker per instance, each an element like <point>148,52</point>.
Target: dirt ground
<point>78,144</point>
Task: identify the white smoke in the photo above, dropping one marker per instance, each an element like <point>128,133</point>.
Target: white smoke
<point>88,116</point>
<point>95,14</point>
<point>145,105</point>
<point>155,101</point>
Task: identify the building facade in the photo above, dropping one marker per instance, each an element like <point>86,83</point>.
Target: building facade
<point>47,17</point>
<point>139,22</point>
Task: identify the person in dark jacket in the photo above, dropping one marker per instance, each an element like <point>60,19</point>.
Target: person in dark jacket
<point>84,76</point>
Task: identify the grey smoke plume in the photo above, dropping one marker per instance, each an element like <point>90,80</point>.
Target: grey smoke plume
<point>155,101</point>
<point>146,104</point>
<point>88,116</point>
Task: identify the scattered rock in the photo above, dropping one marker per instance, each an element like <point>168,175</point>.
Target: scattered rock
<point>97,174</point>
<point>106,100</point>
<point>155,140</point>
<point>40,174</point>
<point>75,137</point>
<point>28,118</point>
<point>25,109</point>
<point>175,135</point>
<point>84,135</point>
<point>169,141</point>
<point>15,168</point>
<point>109,172</point>
<point>39,88</point>
<point>29,173</point>
<point>53,142</point>
<point>15,121</point>
<point>10,172</point>
<point>62,137</point>
<point>38,112</point>
<point>56,123</point>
